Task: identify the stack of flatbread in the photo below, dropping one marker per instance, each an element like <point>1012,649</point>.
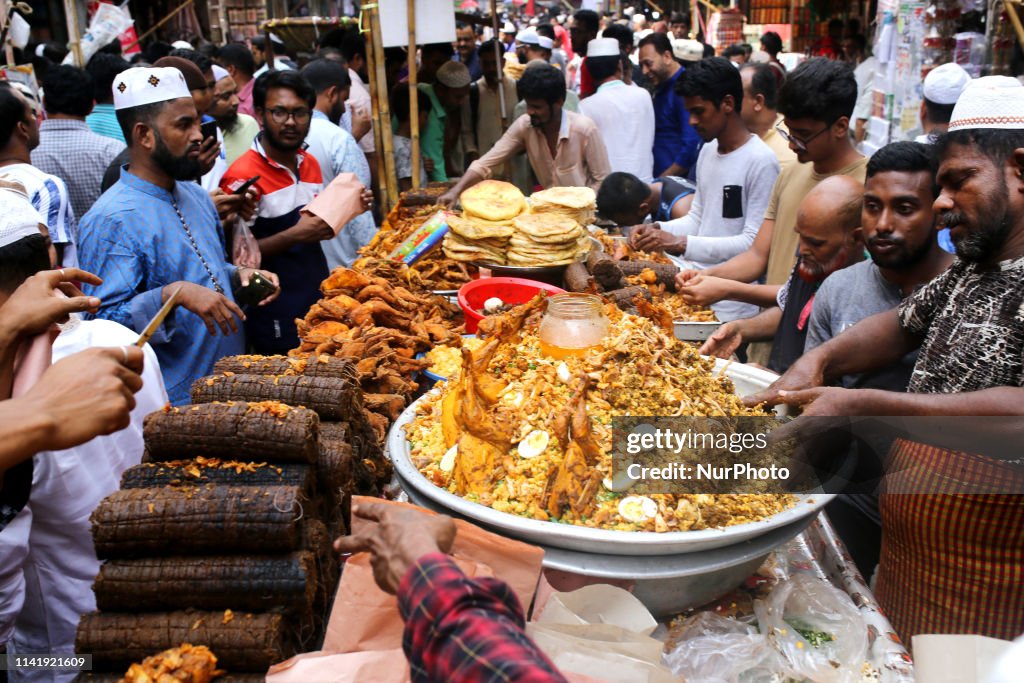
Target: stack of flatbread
<point>483,230</point>
<point>546,240</point>
<point>575,203</point>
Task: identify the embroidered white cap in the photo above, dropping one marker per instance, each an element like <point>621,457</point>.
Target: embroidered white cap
<point>603,47</point>
<point>688,50</point>
<point>146,85</point>
<point>219,72</point>
<point>528,37</point>
<point>990,102</point>
<point>944,84</point>
<point>545,42</point>
<point>19,219</point>
<point>509,27</point>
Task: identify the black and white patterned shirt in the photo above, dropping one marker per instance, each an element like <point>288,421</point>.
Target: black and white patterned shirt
<point>972,321</point>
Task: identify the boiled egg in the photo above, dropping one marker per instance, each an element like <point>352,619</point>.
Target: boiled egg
<point>493,304</point>
<point>637,509</point>
<point>535,443</point>
<point>448,459</point>
<point>563,372</point>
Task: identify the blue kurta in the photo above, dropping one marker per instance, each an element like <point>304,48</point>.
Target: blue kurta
<point>675,140</point>
<point>134,240</point>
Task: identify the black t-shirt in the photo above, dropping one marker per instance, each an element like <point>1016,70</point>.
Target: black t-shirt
<point>672,189</point>
<point>17,485</point>
<point>792,332</point>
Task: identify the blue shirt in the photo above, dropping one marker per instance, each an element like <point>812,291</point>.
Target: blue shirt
<point>133,239</point>
<point>103,121</point>
<point>338,152</point>
<point>675,141</point>
<point>475,71</point>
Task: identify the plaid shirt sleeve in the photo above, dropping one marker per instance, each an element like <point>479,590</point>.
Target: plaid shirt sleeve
<point>462,629</point>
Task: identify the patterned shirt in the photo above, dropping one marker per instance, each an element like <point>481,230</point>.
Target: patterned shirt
<point>302,267</point>
<point>103,121</point>
<point>462,629</point>
<point>337,152</point>
<point>49,196</point>
<point>972,322</point>
<point>133,239</point>
<point>69,150</point>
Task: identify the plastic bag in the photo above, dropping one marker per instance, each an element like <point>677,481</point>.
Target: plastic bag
<point>818,631</point>
<point>713,649</point>
<point>245,250</point>
<point>108,23</point>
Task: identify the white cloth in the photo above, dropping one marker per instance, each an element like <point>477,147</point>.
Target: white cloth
<point>148,84</point>
<point>990,102</point>
<point>717,229</point>
<point>359,96</point>
<point>864,74</point>
<point>66,487</point>
<point>279,65</point>
<point>49,196</point>
<point>18,219</point>
<point>625,117</point>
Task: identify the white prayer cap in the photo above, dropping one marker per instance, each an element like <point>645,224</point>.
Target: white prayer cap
<point>18,219</point>
<point>528,37</point>
<point>145,85</point>
<point>509,27</point>
<point>182,45</point>
<point>688,50</point>
<point>219,72</point>
<point>990,102</point>
<point>943,84</point>
<point>545,42</point>
<point>535,22</point>
<point>603,47</point>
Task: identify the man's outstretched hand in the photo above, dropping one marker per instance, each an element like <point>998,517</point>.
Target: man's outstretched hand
<point>400,536</point>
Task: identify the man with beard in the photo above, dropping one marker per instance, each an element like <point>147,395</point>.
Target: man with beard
<point>337,152</point>
<point>583,29</point>
<point>949,563</point>
<point>898,229</point>
<point>564,148</point>
<point>735,175</point>
<point>675,143</point>
<point>238,130</point>
<point>289,178</point>
<point>151,235</point>
<point>465,49</point>
<point>829,240</point>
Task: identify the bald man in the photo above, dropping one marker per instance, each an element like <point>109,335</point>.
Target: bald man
<point>828,225</point>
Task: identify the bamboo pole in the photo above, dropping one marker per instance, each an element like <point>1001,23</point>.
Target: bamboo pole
<point>378,140</point>
<point>1011,12</point>
<point>414,100</point>
<point>378,92</point>
<point>152,30</point>
<point>74,32</point>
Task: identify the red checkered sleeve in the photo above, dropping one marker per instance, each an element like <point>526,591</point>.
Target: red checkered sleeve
<point>462,629</point>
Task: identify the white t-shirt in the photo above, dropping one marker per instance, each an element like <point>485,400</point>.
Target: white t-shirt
<point>66,487</point>
<point>733,191</point>
<point>49,196</point>
<point>625,116</point>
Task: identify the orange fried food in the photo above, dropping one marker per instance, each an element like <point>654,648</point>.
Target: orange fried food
<point>186,663</point>
<point>343,280</point>
<point>476,465</point>
<point>573,484</point>
<point>661,316</point>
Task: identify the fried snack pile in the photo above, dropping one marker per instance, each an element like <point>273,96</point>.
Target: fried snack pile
<point>434,271</point>
<point>618,248</point>
<point>673,301</point>
<point>379,326</point>
<point>189,663</point>
<point>529,435</point>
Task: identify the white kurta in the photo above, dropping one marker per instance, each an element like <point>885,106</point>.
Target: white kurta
<point>66,487</point>
<point>625,116</point>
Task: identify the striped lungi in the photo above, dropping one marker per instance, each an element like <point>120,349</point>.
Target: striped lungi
<point>952,563</point>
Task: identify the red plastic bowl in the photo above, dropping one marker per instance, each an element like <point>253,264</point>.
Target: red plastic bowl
<point>511,290</point>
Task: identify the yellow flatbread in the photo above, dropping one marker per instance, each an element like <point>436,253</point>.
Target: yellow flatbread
<point>493,200</point>
<point>478,230</point>
<point>567,197</point>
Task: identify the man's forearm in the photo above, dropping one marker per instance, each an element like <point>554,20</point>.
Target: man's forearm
<point>25,432</point>
<point>997,401</point>
<point>762,326</point>
<point>468,180</point>
<point>676,170</point>
<point>277,244</point>
<point>874,343</point>
<point>745,267</point>
<point>759,295</point>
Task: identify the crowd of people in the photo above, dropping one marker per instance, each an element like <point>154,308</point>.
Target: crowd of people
<point>882,285</point>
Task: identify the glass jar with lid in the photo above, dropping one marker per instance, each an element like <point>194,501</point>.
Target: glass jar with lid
<point>573,323</point>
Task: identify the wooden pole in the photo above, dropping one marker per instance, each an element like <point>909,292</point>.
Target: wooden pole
<point>414,100</point>
<point>151,31</point>
<point>378,91</point>
<point>74,32</point>
<point>1011,12</point>
<point>378,134</point>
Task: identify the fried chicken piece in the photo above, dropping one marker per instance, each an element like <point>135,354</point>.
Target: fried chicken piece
<point>476,465</point>
<point>381,292</point>
<point>343,280</point>
<point>386,404</point>
<point>507,326</point>
<point>661,316</point>
<point>191,663</point>
<point>323,332</point>
<point>573,484</point>
<point>581,432</point>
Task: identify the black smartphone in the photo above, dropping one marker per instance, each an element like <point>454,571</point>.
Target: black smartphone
<point>258,289</point>
<point>246,185</point>
<point>209,129</point>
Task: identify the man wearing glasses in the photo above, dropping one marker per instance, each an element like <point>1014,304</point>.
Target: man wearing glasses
<point>288,179</point>
<point>817,101</point>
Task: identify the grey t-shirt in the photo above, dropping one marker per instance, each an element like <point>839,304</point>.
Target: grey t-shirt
<point>845,298</point>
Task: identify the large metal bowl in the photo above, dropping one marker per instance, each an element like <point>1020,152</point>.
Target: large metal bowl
<point>665,584</point>
<point>585,539</point>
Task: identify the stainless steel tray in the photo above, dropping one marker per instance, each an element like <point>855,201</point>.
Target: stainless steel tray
<point>688,331</point>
